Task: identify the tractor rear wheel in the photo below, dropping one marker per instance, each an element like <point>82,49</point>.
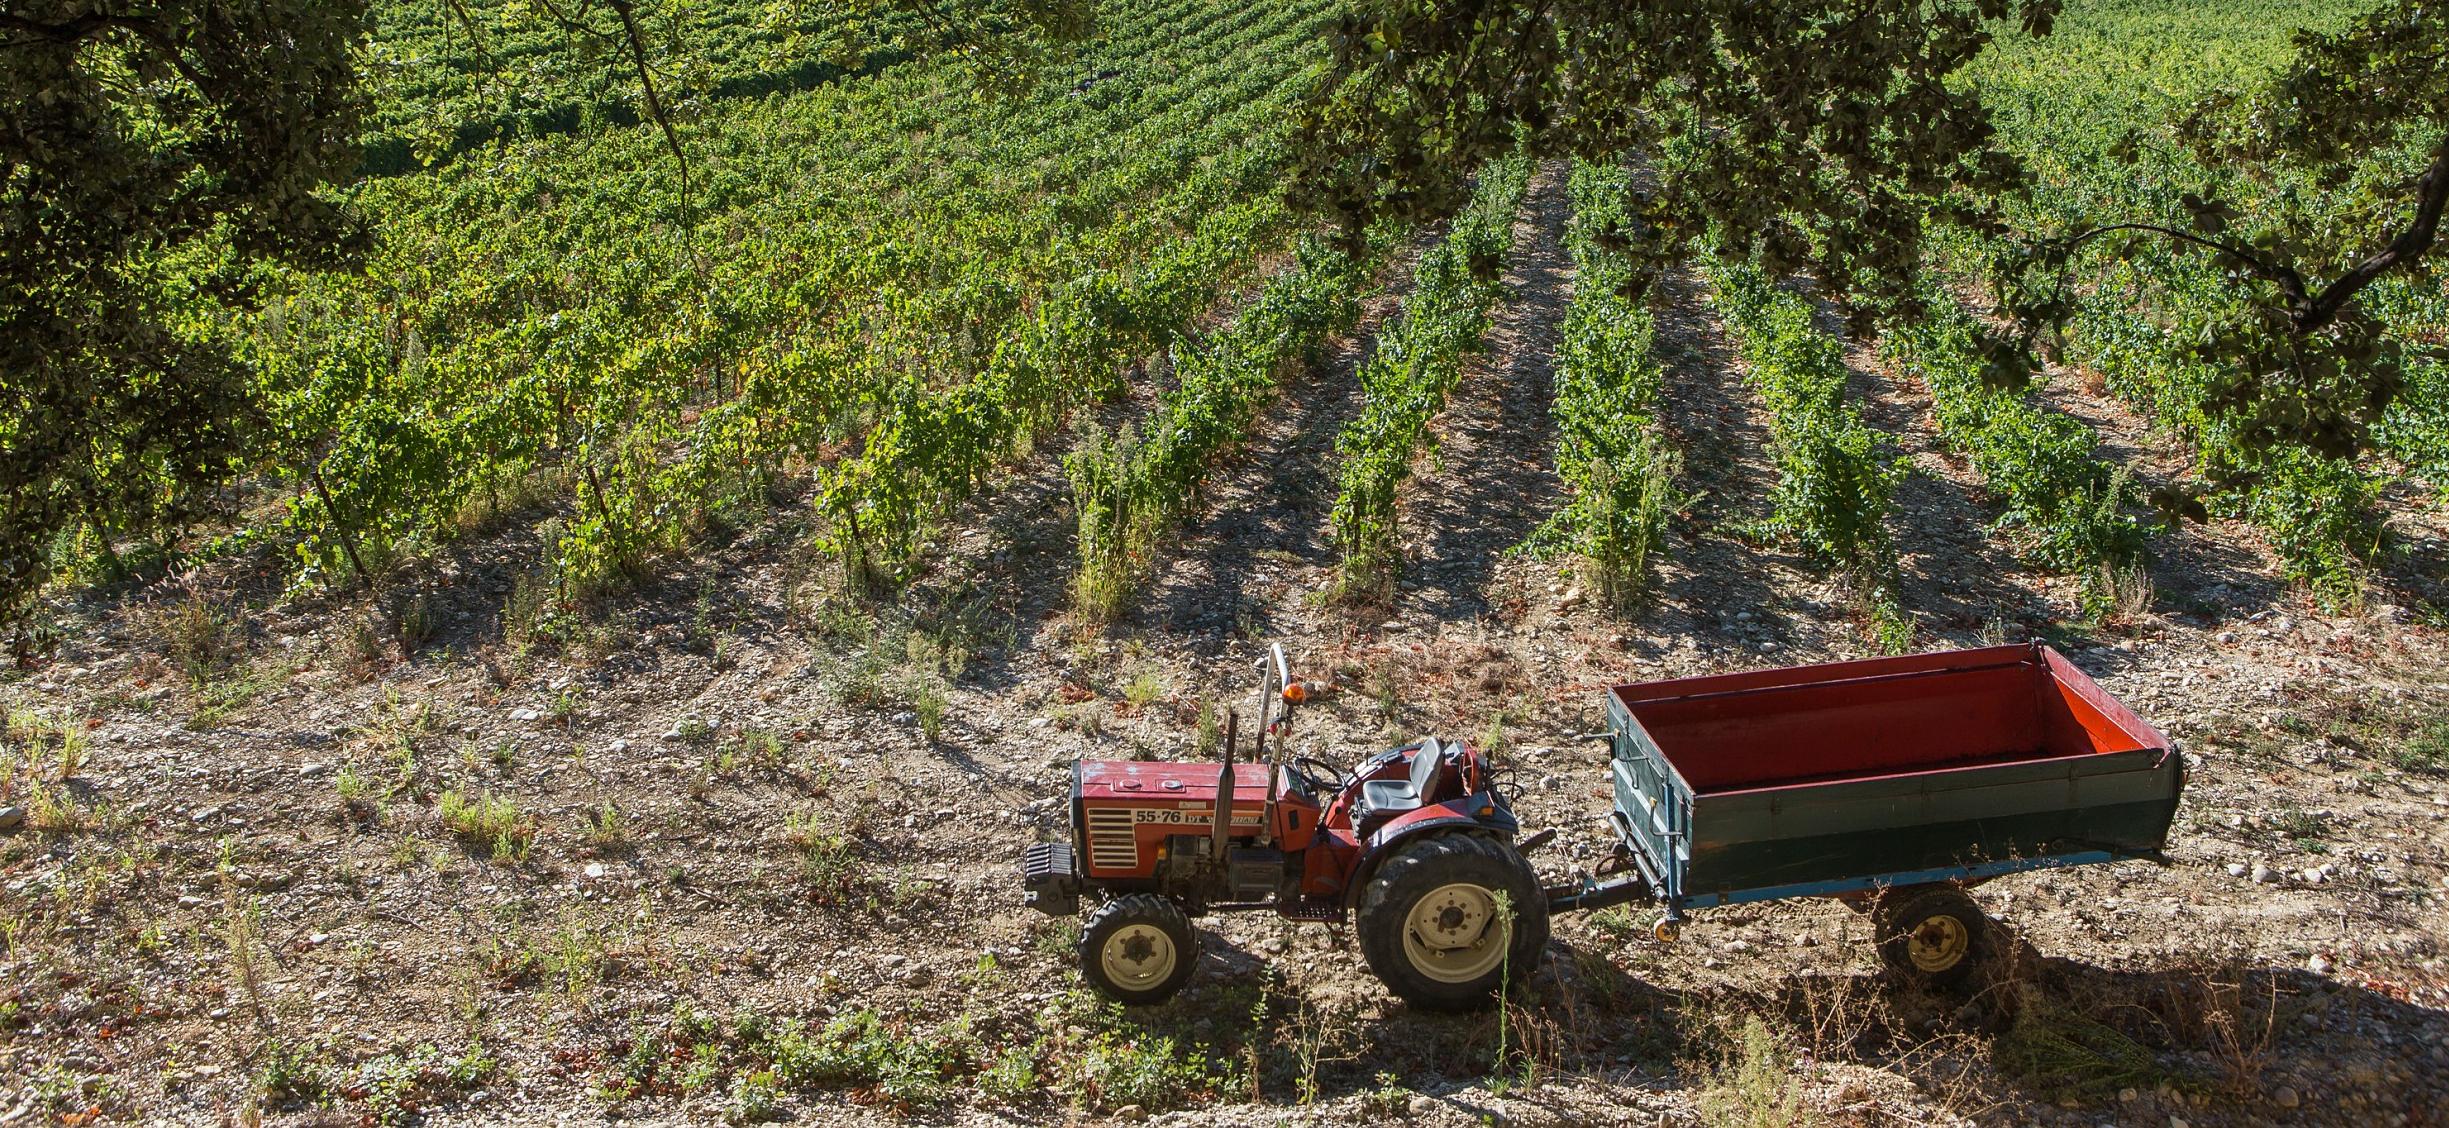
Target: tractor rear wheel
<point>1933,934</point>
<point>1138,949</point>
<point>1448,919</point>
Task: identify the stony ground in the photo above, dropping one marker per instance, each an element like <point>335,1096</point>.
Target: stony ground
<point>731,843</point>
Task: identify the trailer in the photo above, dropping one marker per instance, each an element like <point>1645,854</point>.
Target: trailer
<point>1893,783</point>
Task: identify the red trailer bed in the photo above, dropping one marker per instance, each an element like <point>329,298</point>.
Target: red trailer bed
<point>1817,779</point>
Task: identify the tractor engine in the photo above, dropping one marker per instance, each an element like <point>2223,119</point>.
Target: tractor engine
<point>1150,827</point>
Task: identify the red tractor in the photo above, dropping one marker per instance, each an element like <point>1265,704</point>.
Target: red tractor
<point>1415,844</point>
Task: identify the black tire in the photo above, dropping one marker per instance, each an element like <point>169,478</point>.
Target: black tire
<point>1932,935</point>
<point>1447,868</point>
<point>1138,949</point>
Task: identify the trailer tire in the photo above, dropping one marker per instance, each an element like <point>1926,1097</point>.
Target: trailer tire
<point>1138,949</point>
<point>1933,935</point>
<point>1427,916</point>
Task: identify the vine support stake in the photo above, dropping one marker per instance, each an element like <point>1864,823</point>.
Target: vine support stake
<point>348,540</point>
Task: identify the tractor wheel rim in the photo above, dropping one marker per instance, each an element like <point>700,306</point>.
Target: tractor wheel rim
<point>1137,956</point>
<point>1455,934</point>
<point>1938,943</point>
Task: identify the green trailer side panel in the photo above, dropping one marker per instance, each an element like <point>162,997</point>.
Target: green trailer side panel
<point>2119,803</point>
<point>1733,866</point>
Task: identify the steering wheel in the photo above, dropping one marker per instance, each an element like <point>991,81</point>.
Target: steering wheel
<point>1313,773</point>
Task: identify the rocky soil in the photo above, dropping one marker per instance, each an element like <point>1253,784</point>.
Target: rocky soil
<point>732,842</point>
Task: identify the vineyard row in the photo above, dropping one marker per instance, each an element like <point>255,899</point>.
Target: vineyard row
<point>1417,361</point>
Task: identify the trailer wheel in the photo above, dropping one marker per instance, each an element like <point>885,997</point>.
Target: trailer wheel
<point>1138,949</point>
<point>1446,919</point>
<point>1933,936</point>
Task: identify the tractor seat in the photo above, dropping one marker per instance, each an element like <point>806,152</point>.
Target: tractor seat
<point>1383,799</point>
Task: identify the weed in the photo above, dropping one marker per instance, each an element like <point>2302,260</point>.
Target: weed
<point>1885,619</point>
<point>358,799</point>
<point>362,651</point>
<point>2427,751</point>
<point>1144,689</point>
<point>198,637</point>
<point>527,613</point>
<point>928,703</point>
<point>53,810</point>
<point>1754,1087</point>
<point>397,732</point>
<point>1056,938</point>
<point>242,933</point>
<point>578,956</point>
<point>827,860</point>
<point>840,621</point>
<point>489,822</point>
<point>1388,1100</point>
<point>2304,828</point>
<point>1520,1038</point>
<point>1013,1072</point>
<point>905,1064</point>
<point>71,1096</point>
<point>2056,1050</point>
<point>219,700</point>
<point>753,1097</point>
<point>1318,1038</point>
<point>1208,740</point>
<point>1148,1070</point>
<point>1386,691</point>
<point>1084,717</point>
<point>693,730</point>
<point>1492,738</point>
<point>415,622</point>
<point>290,1071</point>
<point>472,1067</point>
<point>704,622</point>
<point>2212,1011</point>
<point>70,752</point>
<point>759,748</point>
<point>1616,923</point>
<point>396,1087</point>
<point>2120,595</point>
<point>607,828</point>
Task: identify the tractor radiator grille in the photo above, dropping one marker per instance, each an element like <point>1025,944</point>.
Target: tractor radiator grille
<point>1112,841</point>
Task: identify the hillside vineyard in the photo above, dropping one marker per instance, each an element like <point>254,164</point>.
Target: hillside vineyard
<point>729,606</point>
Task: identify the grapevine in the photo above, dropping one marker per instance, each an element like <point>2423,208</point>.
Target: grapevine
<point>1835,475</point>
<point>1128,489</point>
<point>1417,362</point>
<point>1610,451</point>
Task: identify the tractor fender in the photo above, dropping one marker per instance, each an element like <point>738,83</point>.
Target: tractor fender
<point>1442,818</point>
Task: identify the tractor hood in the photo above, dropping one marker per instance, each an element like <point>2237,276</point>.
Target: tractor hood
<point>1152,780</point>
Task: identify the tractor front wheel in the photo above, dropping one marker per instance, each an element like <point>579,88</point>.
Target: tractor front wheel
<point>1447,919</point>
<point>1138,949</point>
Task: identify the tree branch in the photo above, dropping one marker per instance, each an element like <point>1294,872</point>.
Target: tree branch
<point>2431,196</point>
<point>654,104</point>
<point>85,27</point>
<point>65,30</point>
<point>2281,275</point>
